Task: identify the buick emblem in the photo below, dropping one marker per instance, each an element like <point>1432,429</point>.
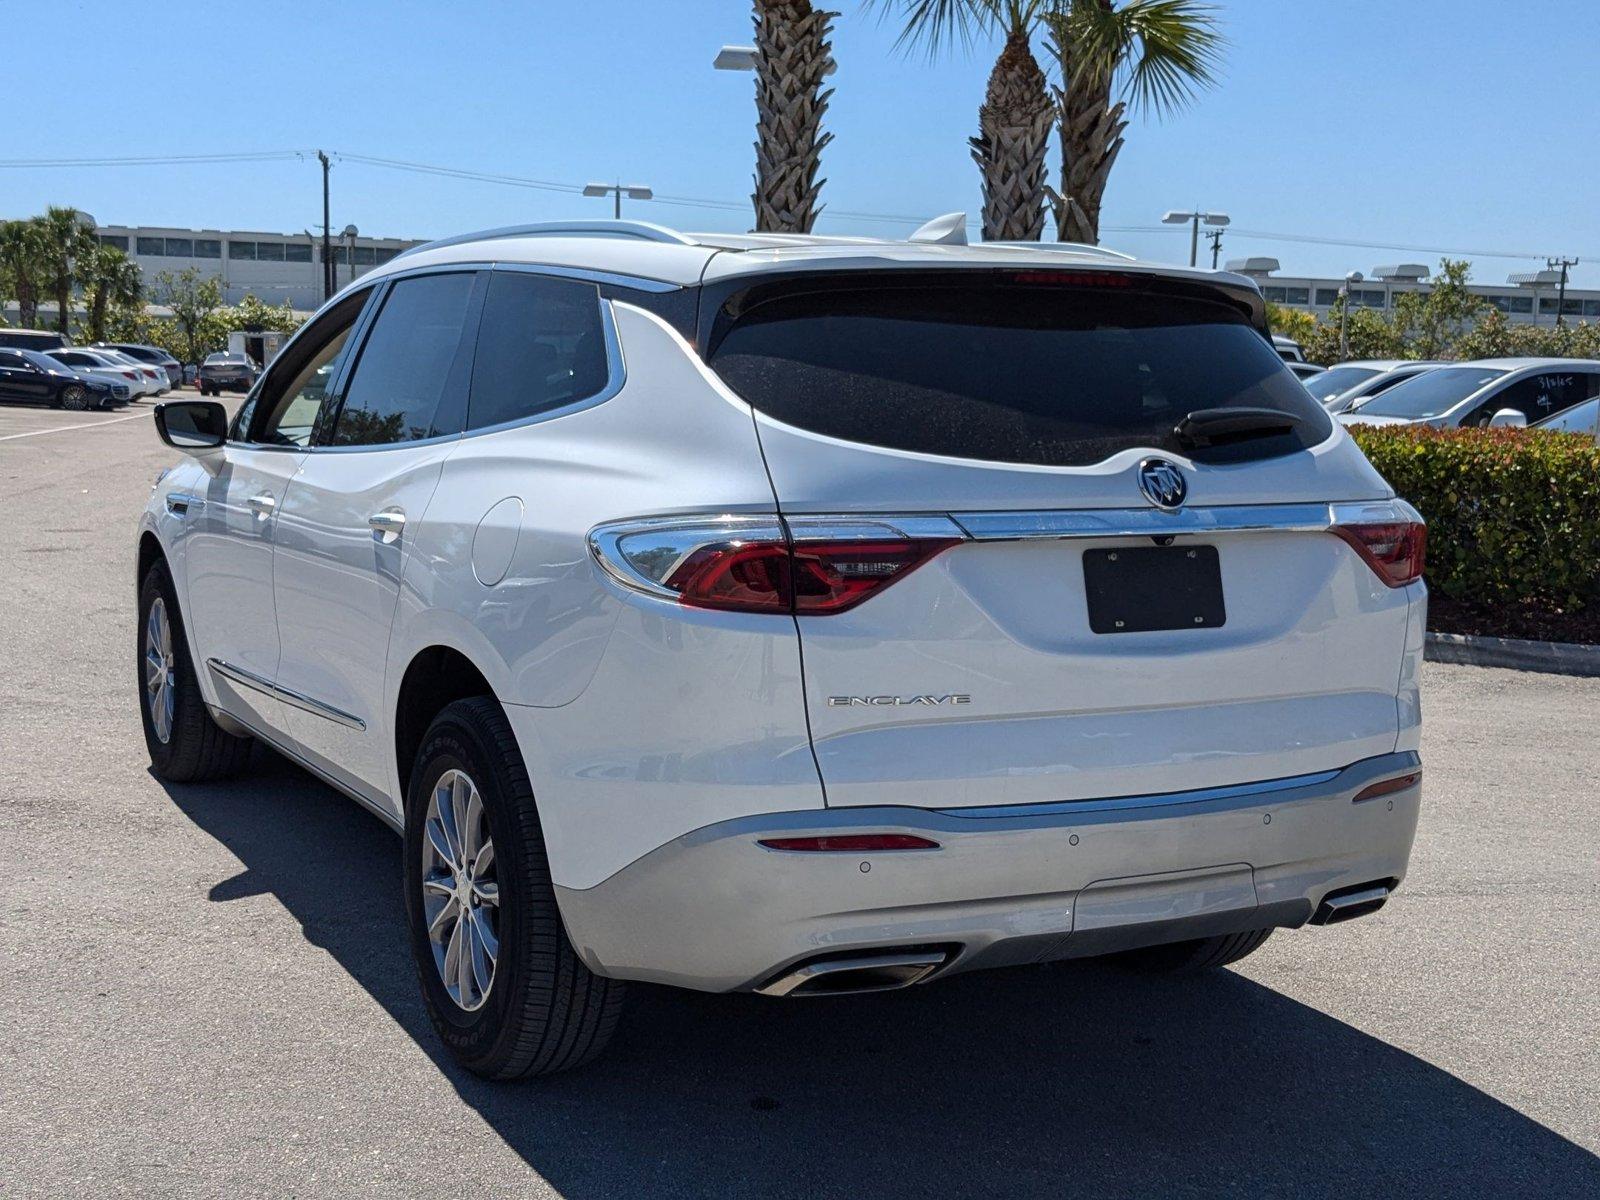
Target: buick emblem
<point>1162,483</point>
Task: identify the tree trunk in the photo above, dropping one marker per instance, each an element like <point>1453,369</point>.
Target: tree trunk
<point>97,312</point>
<point>792,56</point>
<point>27,304</point>
<point>1013,132</point>
<point>64,304</point>
<point>1090,128</point>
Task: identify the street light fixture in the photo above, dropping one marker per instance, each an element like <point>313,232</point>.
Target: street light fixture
<point>1194,219</point>
<point>634,191</point>
<point>735,58</point>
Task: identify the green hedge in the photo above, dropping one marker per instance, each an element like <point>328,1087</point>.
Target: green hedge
<point>1513,517</point>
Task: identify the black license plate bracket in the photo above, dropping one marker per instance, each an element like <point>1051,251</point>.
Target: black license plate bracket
<point>1147,589</point>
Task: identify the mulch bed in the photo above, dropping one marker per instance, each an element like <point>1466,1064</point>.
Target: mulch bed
<point>1532,622</point>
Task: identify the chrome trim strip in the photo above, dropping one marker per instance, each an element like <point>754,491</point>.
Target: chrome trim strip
<point>1144,522</point>
<point>1155,800</point>
<point>869,527</point>
<point>605,543</point>
<point>278,744</point>
<point>288,695</point>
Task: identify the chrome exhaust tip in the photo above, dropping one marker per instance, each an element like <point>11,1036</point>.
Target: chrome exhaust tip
<point>1351,903</point>
<point>856,973</point>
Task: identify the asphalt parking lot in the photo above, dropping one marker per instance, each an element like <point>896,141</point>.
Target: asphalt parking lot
<point>205,990</point>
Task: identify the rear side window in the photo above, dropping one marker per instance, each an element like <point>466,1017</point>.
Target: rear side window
<point>1538,396</point>
<point>410,380</point>
<point>541,346</point>
<point>1009,371</point>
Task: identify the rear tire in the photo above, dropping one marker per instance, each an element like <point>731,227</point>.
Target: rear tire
<point>535,1009</point>
<point>1190,958</point>
<point>195,747</point>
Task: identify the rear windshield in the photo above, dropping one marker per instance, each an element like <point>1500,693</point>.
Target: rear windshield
<point>1007,371</point>
<point>1337,379</point>
<point>1429,394</point>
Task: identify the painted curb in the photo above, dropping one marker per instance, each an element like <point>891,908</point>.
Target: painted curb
<point>1554,658</point>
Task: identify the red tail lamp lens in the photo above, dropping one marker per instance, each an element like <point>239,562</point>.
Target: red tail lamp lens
<point>1388,787</point>
<point>821,577</point>
<point>852,842</point>
<point>831,577</point>
<point>1395,552</point>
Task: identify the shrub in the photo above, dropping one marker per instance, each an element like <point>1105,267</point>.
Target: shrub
<point>1513,516</point>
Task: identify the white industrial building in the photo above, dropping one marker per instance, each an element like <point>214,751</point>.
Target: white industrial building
<point>273,267</point>
<point>1530,299</point>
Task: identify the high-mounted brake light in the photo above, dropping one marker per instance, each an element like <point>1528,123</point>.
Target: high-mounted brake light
<point>1098,279</point>
<point>858,843</point>
<point>1394,550</point>
<point>758,565</point>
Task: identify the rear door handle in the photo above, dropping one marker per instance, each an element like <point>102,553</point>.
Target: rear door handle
<point>264,504</point>
<point>391,523</point>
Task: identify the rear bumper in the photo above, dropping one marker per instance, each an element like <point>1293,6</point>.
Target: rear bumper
<point>713,910</point>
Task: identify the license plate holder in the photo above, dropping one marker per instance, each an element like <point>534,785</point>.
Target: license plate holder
<point>1147,589</point>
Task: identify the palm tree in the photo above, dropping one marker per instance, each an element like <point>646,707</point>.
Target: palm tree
<point>792,56</point>
<point>66,238</point>
<point>109,279</point>
<point>1015,116</point>
<point>1161,52</point>
<point>23,265</point>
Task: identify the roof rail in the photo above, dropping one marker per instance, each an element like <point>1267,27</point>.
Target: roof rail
<point>644,231</point>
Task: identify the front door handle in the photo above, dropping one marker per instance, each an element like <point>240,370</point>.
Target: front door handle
<point>264,504</point>
<point>390,523</point>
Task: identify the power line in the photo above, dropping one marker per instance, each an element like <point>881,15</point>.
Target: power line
<point>153,160</point>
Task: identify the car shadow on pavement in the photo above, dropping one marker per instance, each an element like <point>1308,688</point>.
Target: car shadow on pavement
<point>1069,1078</point>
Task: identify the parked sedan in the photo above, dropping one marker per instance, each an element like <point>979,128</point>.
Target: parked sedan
<point>152,376</point>
<point>1580,418</point>
<point>35,378</point>
<point>153,356</point>
<point>1391,373</point>
<point>1491,391</point>
<point>226,372</point>
<point>126,382</point>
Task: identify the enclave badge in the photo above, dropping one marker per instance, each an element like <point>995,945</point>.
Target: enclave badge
<point>1162,483</point>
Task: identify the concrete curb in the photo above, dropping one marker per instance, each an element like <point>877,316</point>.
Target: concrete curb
<point>1554,658</point>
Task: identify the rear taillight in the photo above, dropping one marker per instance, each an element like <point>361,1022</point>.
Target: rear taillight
<point>758,565</point>
<point>130,375</point>
<point>1394,550</point>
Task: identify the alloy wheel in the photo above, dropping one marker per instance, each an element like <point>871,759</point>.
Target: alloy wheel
<point>159,674</point>
<point>74,398</point>
<point>460,892</point>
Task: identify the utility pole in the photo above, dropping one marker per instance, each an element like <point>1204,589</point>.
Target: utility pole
<point>327,260</point>
<point>1562,265</point>
<point>1215,238</point>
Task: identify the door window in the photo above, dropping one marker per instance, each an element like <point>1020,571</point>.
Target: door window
<point>410,378</point>
<point>1538,396</point>
<point>295,398</point>
<point>541,346</point>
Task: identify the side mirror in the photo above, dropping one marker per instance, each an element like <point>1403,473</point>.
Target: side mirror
<point>193,426</point>
<point>1508,418</point>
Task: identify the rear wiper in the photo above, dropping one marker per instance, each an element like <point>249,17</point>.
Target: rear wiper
<point>1220,426</point>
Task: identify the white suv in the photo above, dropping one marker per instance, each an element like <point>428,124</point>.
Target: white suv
<point>795,616</point>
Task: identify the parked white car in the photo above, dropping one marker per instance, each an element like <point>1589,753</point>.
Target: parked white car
<point>765,613</point>
<point>1489,391</point>
<point>126,383</point>
<point>153,376</point>
<point>1580,418</point>
<point>1358,381</point>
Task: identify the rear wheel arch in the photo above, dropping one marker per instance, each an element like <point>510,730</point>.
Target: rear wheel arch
<point>435,678</point>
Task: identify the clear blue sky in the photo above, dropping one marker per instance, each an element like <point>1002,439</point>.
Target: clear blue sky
<point>1459,124</point>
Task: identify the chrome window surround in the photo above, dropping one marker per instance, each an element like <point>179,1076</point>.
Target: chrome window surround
<point>288,695</point>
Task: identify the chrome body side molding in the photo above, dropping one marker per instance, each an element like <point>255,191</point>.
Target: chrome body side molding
<point>288,695</point>
<point>1154,522</point>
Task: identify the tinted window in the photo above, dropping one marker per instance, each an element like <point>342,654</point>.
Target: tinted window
<point>1537,397</point>
<point>541,345</point>
<point>1429,394</point>
<point>1007,370</point>
<point>207,248</point>
<point>12,360</point>
<point>295,393</point>
<point>1338,379</point>
<point>269,251</point>
<point>151,245</point>
<point>294,252</point>
<point>180,248</point>
<point>241,250</point>
<point>410,364</point>
<point>119,240</point>
<point>1578,419</point>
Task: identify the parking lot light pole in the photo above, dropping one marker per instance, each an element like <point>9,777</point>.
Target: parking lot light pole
<point>634,191</point>
<point>1193,219</point>
<point>1344,313</point>
<point>327,258</point>
<point>350,235</point>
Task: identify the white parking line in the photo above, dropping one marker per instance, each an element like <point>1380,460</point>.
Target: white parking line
<point>11,437</point>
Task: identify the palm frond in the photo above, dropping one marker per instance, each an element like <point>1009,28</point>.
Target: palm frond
<point>939,25</point>
<point>1163,51</point>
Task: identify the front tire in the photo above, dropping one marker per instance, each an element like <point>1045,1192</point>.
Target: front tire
<point>1193,957</point>
<point>74,398</point>
<point>502,984</point>
<point>185,744</point>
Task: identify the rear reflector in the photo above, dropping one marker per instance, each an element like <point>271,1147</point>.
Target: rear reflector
<point>1394,551</point>
<point>853,842</point>
<point>1388,787</point>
